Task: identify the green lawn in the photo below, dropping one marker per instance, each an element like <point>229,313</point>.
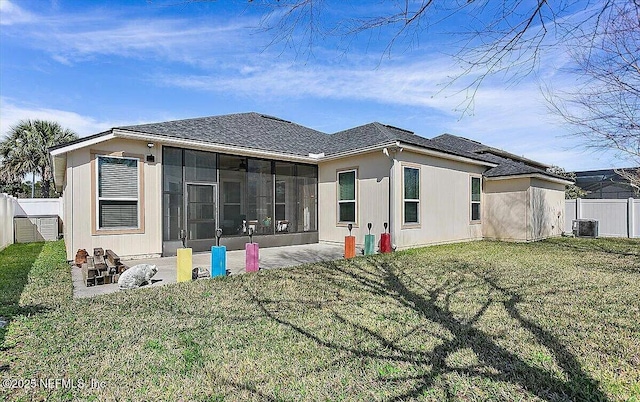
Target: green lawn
<point>555,320</point>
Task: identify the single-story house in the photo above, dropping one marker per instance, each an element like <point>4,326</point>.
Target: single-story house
<point>140,190</point>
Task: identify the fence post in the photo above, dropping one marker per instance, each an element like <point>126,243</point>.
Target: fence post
<point>578,208</point>
<point>631,219</point>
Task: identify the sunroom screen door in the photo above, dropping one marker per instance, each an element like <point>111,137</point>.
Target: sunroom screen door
<point>201,212</point>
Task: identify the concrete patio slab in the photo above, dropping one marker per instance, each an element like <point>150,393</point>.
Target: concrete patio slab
<point>273,257</point>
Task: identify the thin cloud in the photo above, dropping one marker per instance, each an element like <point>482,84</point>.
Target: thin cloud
<point>11,114</point>
<point>72,38</point>
<point>11,14</point>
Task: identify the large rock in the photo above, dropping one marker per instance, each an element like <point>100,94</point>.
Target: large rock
<point>137,276</point>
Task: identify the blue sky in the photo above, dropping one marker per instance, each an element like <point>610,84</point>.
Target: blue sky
<point>98,64</point>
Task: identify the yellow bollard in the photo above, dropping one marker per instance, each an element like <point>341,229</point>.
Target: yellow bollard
<point>185,264</point>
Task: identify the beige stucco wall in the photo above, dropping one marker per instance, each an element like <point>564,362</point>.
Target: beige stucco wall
<point>444,199</point>
<point>78,205</point>
<point>523,209</point>
<point>372,196</point>
<point>546,203</point>
<point>506,209</point>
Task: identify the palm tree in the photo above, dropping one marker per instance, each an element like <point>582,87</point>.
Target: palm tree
<point>26,150</point>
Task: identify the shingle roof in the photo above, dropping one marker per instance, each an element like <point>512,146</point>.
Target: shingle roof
<point>250,130</point>
<point>373,134</point>
<point>268,133</point>
<point>506,166</point>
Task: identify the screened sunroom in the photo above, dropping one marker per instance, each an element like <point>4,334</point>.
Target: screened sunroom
<point>203,191</point>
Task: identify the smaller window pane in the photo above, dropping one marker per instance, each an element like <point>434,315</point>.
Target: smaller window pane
<point>200,166</point>
<point>411,212</point>
<point>172,169</point>
<point>232,192</point>
<point>347,185</point>
<point>475,211</point>
<point>475,189</point>
<point>307,171</point>
<point>118,214</point>
<point>347,212</point>
<point>411,183</point>
<point>117,177</point>
<point>281,193</point>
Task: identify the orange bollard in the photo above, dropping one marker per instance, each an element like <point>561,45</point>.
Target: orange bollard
<point>349,246</point>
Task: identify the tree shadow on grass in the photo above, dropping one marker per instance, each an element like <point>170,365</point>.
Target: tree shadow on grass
<point>432,304</point>
<point>16,262</point>
<point>616,246</point>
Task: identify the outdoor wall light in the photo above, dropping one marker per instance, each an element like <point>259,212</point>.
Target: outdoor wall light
<point>150,157</point>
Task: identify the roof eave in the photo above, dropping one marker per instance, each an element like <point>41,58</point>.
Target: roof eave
<point>57,151</point>
<point>213,147</point>
<point>531,175</point>
<point>353,152</point>
<point>412,148</point>
<point>445,155</point>
<point>59,164</point>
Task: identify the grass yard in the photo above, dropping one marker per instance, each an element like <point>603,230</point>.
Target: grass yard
<point>555,320</point>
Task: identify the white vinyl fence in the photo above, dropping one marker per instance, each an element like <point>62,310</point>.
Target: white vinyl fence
<point>11,207</point>
<point>8,206</point>
<point>616,218</point>
<point>40,207</point>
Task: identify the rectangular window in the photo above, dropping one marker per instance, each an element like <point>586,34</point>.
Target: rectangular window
<point>347,192</point>
<point>475,198</point>
<point>411,195</point>
<point>118,192</point>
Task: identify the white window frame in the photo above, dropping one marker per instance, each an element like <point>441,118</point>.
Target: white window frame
<point>355,199</point>
<point>136,199</point>
<point>471,201</point>
<point>411,200</point>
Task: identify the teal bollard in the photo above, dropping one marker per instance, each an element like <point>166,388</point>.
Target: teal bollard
<point>218,261</point>
<point>369,244</point>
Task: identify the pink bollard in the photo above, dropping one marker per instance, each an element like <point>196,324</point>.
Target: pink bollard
<point>252,257</point>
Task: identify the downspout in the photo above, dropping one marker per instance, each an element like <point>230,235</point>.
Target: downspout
<point>391,153</point>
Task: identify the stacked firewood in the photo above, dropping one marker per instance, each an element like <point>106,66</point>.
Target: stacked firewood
<point>101,269</point>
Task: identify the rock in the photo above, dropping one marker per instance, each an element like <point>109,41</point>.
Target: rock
<point>3,322</point>
<point>81,257</point>
<point>200,272</point>
<point>137,276</point>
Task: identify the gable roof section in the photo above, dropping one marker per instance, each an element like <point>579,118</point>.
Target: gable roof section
<point>476,147</point>
<point>508,164</point>
<point>378,134</point>
<point>249,130</point>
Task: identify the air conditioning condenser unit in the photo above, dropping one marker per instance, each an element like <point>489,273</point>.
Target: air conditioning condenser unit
<point>585,228</point>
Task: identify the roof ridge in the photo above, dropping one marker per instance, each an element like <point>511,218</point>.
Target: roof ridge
<point>384,130</point>
<point>189,119</point>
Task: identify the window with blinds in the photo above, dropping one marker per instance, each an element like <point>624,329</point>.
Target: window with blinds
<point>117,192</point>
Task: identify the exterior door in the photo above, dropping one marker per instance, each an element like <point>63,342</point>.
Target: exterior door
<point>202,216</point>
